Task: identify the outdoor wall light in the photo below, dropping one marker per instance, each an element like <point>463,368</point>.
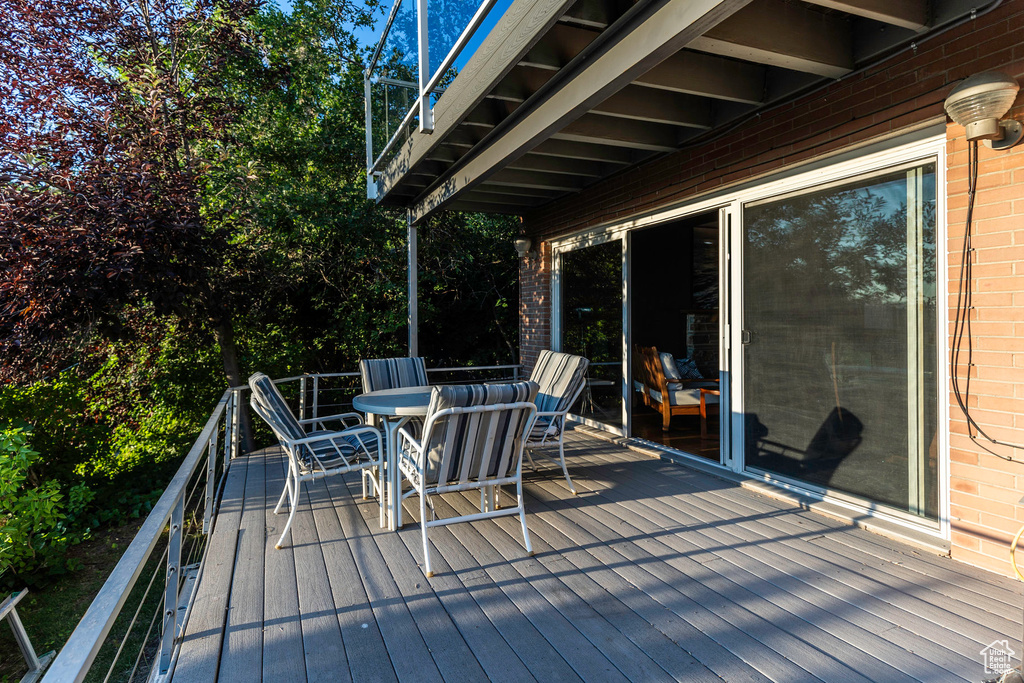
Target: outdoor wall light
<point>978,104</point>
<point>523,245</point>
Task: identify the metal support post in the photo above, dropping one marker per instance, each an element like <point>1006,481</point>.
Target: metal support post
<point>371,183</point>
<point>227,430</point>
<point>302,398</point>
<point>426,110</point>
<point>414,332</point>
<point>172,583</point>
<point>236,411</point>
<point>316,396</point>
<point>211,480</point>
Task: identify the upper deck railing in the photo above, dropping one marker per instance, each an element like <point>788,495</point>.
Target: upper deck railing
<point>133,628</point>
<point>403,82</point>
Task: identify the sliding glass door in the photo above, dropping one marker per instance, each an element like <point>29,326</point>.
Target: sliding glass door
<point>839,338</point>
<point>590,316</point>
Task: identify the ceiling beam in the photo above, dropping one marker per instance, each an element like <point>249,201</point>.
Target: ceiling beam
<point>599,14</point>
<point>481,197</point>
<point>570,149</point>
<point>476,207</point>
<point>786,34</point>
<point>535,192</point>
<point>538,180</point>
<point>651,137</point>
<point>657,106</point>
<point>534,162</point>
<point>912,14</point>
<point>556,49</point>
<point>695,73</point>
<point>655,32</point>
<point>520,84</point>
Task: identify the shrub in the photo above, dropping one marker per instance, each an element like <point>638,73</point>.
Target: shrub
<point>36,518</point>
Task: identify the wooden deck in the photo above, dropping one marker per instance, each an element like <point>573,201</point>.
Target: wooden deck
<point>654,572</point>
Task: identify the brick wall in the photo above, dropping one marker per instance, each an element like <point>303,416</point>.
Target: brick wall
<point>986,489</point>
<point>534,305</point>
<point>898,95</point>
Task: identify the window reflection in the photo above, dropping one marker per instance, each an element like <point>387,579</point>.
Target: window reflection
<point>592,326</point>
<point>840,372</point>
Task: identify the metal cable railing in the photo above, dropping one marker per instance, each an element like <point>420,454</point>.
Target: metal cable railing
<point>428,82</point>
<point>117,639</point>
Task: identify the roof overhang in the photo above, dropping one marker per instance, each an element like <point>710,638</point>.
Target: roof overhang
<point>564,93</point>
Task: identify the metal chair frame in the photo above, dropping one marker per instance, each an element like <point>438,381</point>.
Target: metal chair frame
<point>412,465</point>
<point>370,469</point>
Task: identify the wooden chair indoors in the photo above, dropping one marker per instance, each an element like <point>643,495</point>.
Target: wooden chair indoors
<point>659,386</point>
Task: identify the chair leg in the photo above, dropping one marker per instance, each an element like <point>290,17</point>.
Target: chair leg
<point>286,491</point>
<point>423,530</point>
<point>381,497</point>
<point>291,516</point>
<point>529,456</point>
<point>522,515</point>
<point>666,418</point>
<point>561,457</point>
<point>362,478</point>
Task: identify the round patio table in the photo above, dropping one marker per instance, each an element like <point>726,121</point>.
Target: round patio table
<point>395,407</point>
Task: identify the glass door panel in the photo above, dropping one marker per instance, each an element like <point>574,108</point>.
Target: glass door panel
<point>591,317</point>
<point>839,332</point>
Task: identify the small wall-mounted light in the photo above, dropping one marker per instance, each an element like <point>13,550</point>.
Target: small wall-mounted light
<point>978,104</point>
<point>523,245</point>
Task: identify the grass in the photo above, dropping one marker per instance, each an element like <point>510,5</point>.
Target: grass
<point>51,613</point>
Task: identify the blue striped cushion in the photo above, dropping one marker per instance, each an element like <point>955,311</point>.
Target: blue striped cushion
<point>266,392</point>
<point>559,376</point>
<point>392,373</point>
<point>351,450</point>
<point>458,449</point>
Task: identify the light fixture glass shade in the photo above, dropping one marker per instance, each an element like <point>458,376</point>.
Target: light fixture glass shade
<point>980,101</point>
<point>523,245</point>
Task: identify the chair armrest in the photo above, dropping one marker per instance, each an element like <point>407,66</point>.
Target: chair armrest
<point>407,439</point>
<point>331,436</point>
<point>340,417</point>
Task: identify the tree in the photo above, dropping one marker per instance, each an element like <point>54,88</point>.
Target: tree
<point>111,114</point>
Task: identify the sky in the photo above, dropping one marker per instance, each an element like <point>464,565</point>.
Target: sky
<point>370,37</point>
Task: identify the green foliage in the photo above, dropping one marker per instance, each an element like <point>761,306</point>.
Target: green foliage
<point>36,519</point>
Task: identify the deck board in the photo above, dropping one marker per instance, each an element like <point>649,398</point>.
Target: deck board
<point>654,572</point>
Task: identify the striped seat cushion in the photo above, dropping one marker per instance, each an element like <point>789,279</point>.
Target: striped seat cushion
<point>470,446</point>
<point>354,449</point>
<point>392,373</point>
<point>560,376</point>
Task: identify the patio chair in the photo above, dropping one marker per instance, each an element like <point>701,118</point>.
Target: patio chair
<point>473,438</point>
<point>561,378</point>
<point>319,453</point>
<point>393,373</point>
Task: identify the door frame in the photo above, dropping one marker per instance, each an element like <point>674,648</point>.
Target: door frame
<point>922,145</point>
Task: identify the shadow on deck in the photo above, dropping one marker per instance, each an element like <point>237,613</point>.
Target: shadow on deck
<point>654,572</point>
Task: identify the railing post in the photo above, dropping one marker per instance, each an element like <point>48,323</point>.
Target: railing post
<point>426,110</point>
<point>236,411</point>
<point>302,397</point>
<point>228,437</point>
<point>316,396</point>
<point>173,581</point>
<point>211,480</point>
